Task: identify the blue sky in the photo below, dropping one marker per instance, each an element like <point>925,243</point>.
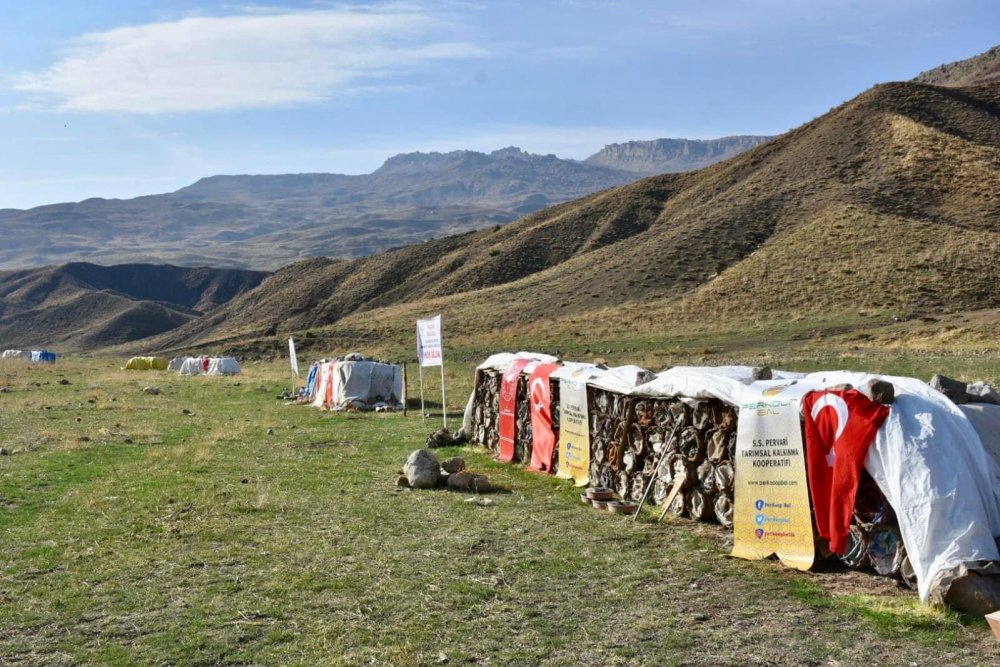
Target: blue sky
<point>119,98</point>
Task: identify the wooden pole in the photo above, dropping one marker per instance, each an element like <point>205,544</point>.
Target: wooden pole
<point>444,400</point>
<point>404,388</point>
<point>656,471</point>
<point>423,415</point>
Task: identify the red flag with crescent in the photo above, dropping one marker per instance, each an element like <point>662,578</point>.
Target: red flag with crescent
<point>543,437</point>
<point>840,427</point>
<point>508,408</point>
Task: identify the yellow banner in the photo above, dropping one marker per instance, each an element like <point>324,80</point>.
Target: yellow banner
<point>771,513</point>
<point>574,432</point>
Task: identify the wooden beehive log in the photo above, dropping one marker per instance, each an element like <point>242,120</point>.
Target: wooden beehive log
<point>678,506</point>
<point>701,415</point>
<point>607,478</point>
<point>637,440</point>
<point>724,510</point>
<point>638,486</point>
<point>623,483</point>
<point>680,469</point>
<point>716,448</point>
<point>725,475</point>
<point>522,435</point>
<point>701,504</point>
<point>706,477</point>
<point>630,461</point>
<point>661,488</point>
<point>855,555</point>
<point>692,444</point>
<point>907,573</point>
<point>885,550</point>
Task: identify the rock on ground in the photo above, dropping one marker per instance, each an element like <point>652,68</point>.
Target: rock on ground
<point>422,469</point>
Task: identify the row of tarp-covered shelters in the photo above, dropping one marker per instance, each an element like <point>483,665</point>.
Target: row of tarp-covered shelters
<point>355,383</point>
<point>936,463</point>
<point>34,356</point>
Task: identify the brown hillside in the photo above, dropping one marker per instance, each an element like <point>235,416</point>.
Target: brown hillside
<point>893,197</point>
<point>984,68</point>
<point>86,306</point>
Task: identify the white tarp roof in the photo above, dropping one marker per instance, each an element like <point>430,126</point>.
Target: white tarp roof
<point>367,382</point>
<point>223,366</point>
<point>191,366</point>
<point>927,458</point>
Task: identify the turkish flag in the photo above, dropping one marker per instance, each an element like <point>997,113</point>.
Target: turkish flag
<point>543,437</point>
<point>840,427</point>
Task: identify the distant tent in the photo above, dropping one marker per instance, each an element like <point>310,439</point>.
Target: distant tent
<point>16,354</point>
<point>146,364</point>
<point>191,366</point>
<point>43,357</point>
<point>358,385</point>
<point>223,366</point>
<point>176,363</point>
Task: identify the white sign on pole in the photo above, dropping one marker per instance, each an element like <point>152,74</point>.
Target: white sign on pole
<point>429,342</point>
<point>292,357</point>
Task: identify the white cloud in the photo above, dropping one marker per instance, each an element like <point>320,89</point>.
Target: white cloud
<point>251,60</point>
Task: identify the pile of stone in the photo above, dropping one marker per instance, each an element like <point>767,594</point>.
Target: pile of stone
<point>424,471</point>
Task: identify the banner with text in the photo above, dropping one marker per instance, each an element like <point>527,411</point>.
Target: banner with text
<point>574,432</point>
<point>429,342</point>
<point>771,513</point>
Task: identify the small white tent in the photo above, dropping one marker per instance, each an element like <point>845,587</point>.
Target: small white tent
<point>191,366</point>
<point>358,385</point>
<point>16,354</point>
<point>223,366</point>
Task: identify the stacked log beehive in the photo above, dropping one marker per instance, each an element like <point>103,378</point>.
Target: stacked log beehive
<point>685,441</point>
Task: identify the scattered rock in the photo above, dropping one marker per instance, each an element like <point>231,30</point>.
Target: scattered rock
<point>402,482</point>
<point>881,391</point>
<point>270,431</point>
<point>4,451</point>
<point>442,657</point>
<point>152,391</point>
<point>64,381</point>
<point>79,419</point>
<point>454,464</point>
<point>953,389</point>
<point>128,441</point>
<point>83,438</point>
<point>468,481</point>
<point>422,469</point>
<point>185,411</point>
<point>443,438</point>
<point>244,480</point>
<point>4,390</point>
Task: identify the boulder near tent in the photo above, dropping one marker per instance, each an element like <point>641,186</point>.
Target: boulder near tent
<point>146,364</point>
<point>357,384</point>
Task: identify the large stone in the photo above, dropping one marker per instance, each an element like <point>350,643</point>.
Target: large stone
<point>953,389</point>
<point>881,391</point>
<point>761,373</point>
<point>454,464</point>
<point>468,481</point>
<point>422,469</point>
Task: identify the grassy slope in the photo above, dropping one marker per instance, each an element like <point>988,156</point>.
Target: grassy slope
<point>207,540</point>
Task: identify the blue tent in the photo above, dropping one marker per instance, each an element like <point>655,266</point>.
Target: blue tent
<point>43,356</point>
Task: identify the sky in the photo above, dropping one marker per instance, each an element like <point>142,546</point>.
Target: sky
<point>121,98</point>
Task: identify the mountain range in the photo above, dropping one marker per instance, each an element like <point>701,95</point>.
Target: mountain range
<point>268,221</point>
<point>888,205</point>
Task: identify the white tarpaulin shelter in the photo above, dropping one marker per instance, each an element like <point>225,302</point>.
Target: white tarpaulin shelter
<point>359,385</point>
<point>936,463</point>
<point>223,366</point>
<point>191,366</point>
<point>16,354</point>
<point>176,363</point>
<point>927,459</point>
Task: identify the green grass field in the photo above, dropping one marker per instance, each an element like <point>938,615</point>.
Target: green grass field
<point>213,524</point>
